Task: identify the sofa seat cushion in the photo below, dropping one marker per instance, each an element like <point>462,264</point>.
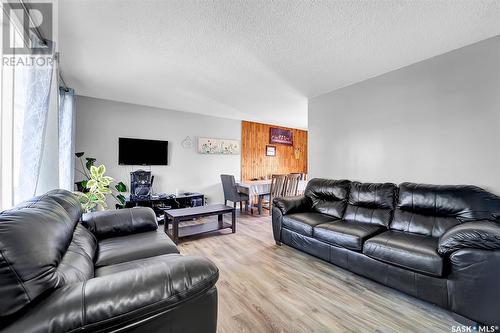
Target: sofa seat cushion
<point>303,223</point>
<point>162,295</point>
<point>350,235</point>
<point>132,247</point>
<point>134,264</point>
<point>411,251</point>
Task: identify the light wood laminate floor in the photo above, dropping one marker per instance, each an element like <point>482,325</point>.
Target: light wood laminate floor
<point>268,288</point>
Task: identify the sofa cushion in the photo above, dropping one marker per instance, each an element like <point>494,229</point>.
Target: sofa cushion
<point>433,209</point>
<point>328,196</point>
<point>77,264</point>
<point>427,225</point>
<point>69,201</point>
<point>373,195</point>
<point>134,264</point>
<point>120,222</point>
<point>160,295</point>
<point>359,214</point>
<point>303,223</point>
<point>465,202</point>
<point>132,247</point>
<point>346,234</point>
<point>34,237</point>
<point>411,251</point>
<point>371,203</point>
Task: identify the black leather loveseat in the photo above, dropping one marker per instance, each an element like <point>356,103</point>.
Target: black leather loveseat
<point>438,243</point>
<point>112,272</point>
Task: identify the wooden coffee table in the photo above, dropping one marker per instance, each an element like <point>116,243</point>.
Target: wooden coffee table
<point>185,214</point>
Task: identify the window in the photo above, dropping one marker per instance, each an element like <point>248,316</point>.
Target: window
<point>25,94</point>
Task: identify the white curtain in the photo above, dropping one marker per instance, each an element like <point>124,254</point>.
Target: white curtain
<point>25,94</point>
<point>66,138</point>
<point>31,104</point>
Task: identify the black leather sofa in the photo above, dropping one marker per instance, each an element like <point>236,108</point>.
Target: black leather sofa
<point>439,243</point>
<point>114,271</point>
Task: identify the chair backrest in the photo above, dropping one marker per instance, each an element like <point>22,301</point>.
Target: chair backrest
<point>229,187</point>
<point>277,186</point>
<point>292,184</point>
<point>302,176</point>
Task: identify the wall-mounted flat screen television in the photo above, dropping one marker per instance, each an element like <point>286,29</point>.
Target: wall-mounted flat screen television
<point>142,152</point>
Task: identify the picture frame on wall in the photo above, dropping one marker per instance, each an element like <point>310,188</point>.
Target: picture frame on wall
<point>270,150</point>
<point>214,146</point>
<point>280,136</point>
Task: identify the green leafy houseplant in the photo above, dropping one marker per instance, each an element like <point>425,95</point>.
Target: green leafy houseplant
<point>95,186</point>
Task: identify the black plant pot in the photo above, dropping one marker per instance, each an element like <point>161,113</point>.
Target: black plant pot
<point>80,187</point>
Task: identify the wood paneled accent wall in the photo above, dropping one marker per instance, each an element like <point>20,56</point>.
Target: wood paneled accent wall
<point>255,163</point>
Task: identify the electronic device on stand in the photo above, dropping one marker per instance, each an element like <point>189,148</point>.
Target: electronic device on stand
<point>141,185</point>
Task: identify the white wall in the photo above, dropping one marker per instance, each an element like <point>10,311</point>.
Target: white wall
<point>437,121</point>
<point>101,122</point>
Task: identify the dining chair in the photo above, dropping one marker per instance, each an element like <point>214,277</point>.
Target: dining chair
<point>292,184</point>
<point>277,188</point>
<point>231,192</point>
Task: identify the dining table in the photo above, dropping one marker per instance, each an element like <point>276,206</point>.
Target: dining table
<point>257,188</point>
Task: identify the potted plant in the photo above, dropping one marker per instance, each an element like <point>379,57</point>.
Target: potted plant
<point>95,186</point>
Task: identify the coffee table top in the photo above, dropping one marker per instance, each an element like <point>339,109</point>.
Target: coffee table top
<point>201,210</point>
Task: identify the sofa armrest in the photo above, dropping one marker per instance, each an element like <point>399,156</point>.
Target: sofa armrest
<point>473,285</point>
<point>124,299</point>
<point>289,205</point>
<point>120,222</point>
<point>483,235</point>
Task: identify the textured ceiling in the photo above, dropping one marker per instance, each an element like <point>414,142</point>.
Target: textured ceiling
<point>258,59</point>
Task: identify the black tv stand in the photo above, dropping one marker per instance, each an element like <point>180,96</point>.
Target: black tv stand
<point>160,204</point>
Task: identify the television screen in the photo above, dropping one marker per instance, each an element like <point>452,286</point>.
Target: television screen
<point>142,152</point>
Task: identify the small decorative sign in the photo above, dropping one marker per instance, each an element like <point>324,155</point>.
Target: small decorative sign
<point>218,146</point>
<point>281,136</point>
<point>296,153</point>
<point>187,143</point>
<point>270,150</point>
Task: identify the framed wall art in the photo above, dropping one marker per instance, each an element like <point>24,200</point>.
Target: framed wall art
<point>280,136</point>
<point>218,146</point>
<point>270,150</point>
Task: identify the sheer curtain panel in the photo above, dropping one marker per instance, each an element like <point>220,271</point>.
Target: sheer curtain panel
<point>66,138</point>
<point>31,105</point>
<point>25,85</point>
